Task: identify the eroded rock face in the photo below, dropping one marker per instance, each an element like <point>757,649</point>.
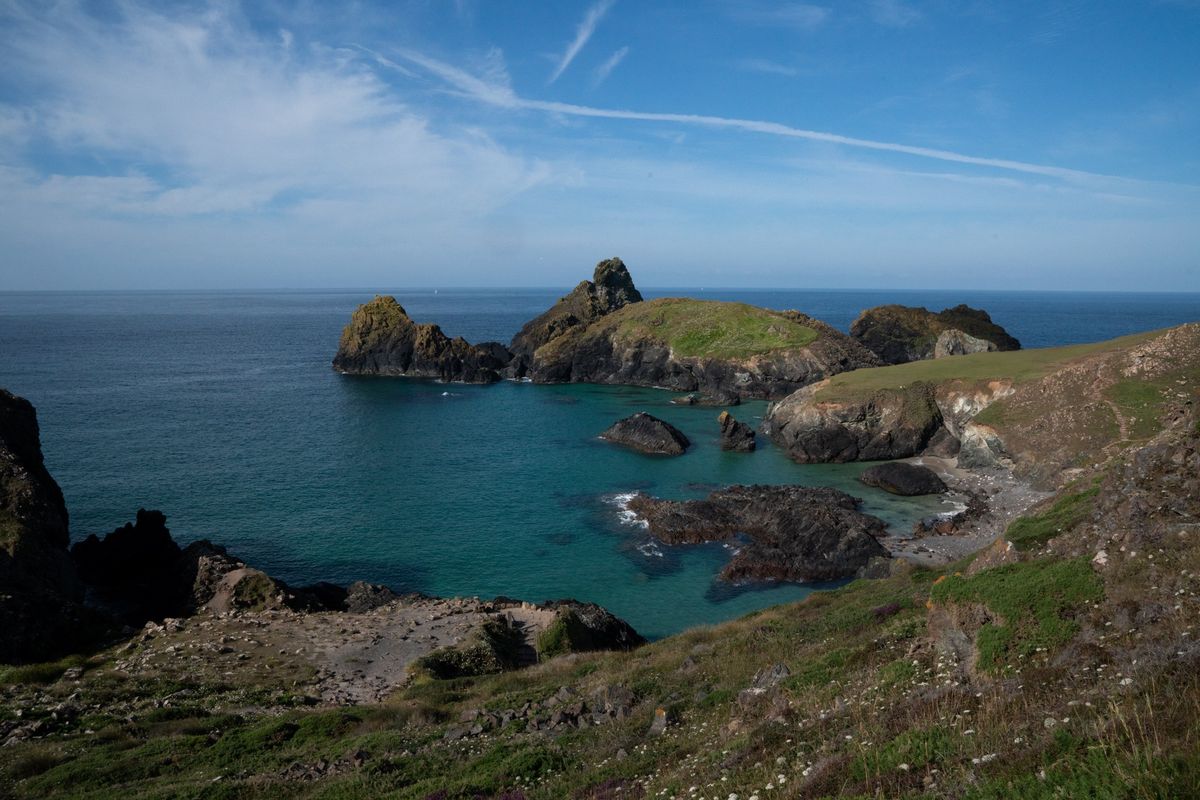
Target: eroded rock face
<point>899,334</point>
<point>794,533</point>
<point>647,434</point>
<point>903,479</point>
<point>888,424</point>
<point>382,339</point>
<point>737,436</point>
<point>610,288</point>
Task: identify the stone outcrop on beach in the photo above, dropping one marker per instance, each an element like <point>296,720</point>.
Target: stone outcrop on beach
<point>794,533</point>
<point>735,435</point>
<point>647,434</point>
<point>899,334</point>
<point>898,477</point>
<point>886,424</point>
<point>610,288</point>
<point>382,339</point>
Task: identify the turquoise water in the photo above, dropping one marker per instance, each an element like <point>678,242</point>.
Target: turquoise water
<point>221,410</point>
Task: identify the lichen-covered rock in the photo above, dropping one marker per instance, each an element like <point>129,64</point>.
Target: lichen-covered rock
<point>735,435</point>
<point>794,533</point>
<point>584,627</point>
<point>382,339</point>
<point>899,334</point>
<point>610,288</point>
<point>908,480</point>
<point>647,434</point>
<point>887,424</point>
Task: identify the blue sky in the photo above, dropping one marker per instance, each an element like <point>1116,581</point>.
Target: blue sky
<point>881,143</point>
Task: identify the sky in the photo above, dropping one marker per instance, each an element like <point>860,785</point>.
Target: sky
<point>709,143</point>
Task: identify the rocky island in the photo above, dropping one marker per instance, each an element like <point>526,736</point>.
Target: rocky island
<point>604,332</point>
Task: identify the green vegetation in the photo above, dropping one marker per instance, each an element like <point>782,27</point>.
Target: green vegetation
<point>1018,366</point>
<point>493,649</point>
<point>1067,511</point>
<point>1035,601</point>
<point>1140,399</point>
<point>709,329</point>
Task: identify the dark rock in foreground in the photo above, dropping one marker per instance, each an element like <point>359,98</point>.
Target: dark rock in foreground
<point>382,339</point>
<point>904,479</point>
<point>647,434</point>
<point>899,334</point>
<point>794,533</point>
<point>735,435</point>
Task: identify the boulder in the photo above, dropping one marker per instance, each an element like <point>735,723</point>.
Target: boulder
<point>793,533</point>
<point>898,334</point>
<point>647,434</point>
<point>904,479</point>
<point>382,339</point>
<point>886,424</point>
<point>737,436</point>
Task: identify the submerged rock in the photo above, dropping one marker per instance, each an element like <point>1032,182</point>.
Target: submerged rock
<point>900,478</point>
<point>382,339</point>
<point>735,435</point>
<point>647,434</point>
<point>794,533</point>
<point>898,334</point>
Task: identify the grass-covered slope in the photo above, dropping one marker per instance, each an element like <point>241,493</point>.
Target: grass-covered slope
<point>704,328</point>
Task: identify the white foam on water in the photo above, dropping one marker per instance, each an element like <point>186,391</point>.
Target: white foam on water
<point>624,513</point>
<point>650,550</point>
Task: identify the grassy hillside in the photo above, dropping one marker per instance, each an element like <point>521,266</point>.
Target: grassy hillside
<point>1019,366</point>
<point>706,328</point>
<point>1047,676</point>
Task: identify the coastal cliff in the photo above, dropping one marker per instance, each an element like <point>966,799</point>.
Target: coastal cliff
<point>1041,412</point>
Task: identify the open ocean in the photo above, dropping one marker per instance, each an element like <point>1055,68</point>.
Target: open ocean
<point>221,409</point>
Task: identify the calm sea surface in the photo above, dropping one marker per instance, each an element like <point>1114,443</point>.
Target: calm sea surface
<point>221,409</point>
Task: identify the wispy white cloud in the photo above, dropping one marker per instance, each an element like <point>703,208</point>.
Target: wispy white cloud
<point>800,16</point>
<point>894,13</point>
<point>766,67</point>
<point>504,96</point>
<point>604,70</point>
<point>584,32</point>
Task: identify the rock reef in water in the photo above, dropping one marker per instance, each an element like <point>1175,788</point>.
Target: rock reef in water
<point>794,533</point>
<point>899,334</point>
<point>908,480</point>
<point>647,434</point>
<point>735,435</point>
<point>382,339</point>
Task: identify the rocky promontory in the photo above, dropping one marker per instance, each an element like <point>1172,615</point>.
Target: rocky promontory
<point>382,339</point>
<point>899,334</point>
<point>793,533</point>
<point>647,434</point>
<point>610,288</point>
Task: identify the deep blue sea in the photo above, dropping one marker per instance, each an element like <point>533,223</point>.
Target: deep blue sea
<point>221,409</point>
